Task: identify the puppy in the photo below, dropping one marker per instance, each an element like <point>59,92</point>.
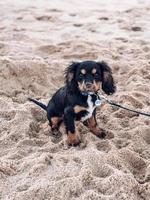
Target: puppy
<point>76,100</point>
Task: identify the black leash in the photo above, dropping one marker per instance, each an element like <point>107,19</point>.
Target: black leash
<point>120,106</point>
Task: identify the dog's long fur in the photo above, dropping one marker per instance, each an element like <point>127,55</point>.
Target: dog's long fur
<point>76,100</point>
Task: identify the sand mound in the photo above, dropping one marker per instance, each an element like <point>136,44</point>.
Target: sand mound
<point>37,42</point>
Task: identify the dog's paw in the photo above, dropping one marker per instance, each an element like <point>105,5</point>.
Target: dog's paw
<point>102,134</point>
<point>73,140</point>
<point>74,143</point>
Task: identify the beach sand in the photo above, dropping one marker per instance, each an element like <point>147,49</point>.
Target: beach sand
<point>38,40</point>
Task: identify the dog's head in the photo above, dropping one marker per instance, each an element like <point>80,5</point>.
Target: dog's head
<point>89,76</point>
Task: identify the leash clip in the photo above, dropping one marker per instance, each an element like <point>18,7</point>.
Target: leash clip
<point>98,102</point>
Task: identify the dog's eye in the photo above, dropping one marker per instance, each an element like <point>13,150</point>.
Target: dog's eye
<point>96,76</point>
<point>81,76</point>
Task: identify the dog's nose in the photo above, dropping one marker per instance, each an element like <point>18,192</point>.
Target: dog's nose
<point>88,84</point>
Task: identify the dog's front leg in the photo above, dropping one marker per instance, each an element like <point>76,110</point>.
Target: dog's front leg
<point>69,120</point>
<point>92,124</point>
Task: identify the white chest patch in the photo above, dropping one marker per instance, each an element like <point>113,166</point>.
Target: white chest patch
<point>90,109</point>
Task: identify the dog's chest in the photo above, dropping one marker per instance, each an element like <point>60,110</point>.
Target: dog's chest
<point>90,108</point>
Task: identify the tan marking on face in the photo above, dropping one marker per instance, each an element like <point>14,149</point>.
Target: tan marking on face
<point>82,86</point>
<point>83,71</point>
<point>78,109</point>
<point>96,85</point>
<point>94,71</point>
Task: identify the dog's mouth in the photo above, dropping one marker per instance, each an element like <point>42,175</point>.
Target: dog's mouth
<point>88,88</point>
<point>92,89</point>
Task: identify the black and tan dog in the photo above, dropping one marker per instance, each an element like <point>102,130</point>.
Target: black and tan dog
<point>76,100</point>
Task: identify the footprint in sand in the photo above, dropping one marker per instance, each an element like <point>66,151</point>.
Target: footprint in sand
<point>132,28</point>
<point>122,39</point>
<point>2,46</point>
<point>146,49</point>
<point>73,14</point>
<point>8,115</point>
<point>7,169</point>
<point>104,171</point>
<point>49,49</point>
<point>77,160</point>
<point>85,55</point>
<point>78,25</point>
<point>134,163</point>
<point>103,146</point>
<point>103,18</point>
<point>120,143</point>
<point>38,115</point>
<point>23,187</point>
<point>19,18</point>
<point>136,28</point>
<point>146,135</point>
<point>54,10</point>
<point>34,127</point>
<point>147,175</point>
<point>45,18</point>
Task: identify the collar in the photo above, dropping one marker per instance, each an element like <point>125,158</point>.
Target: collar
<point>88,93</point>
<point>97,101</point>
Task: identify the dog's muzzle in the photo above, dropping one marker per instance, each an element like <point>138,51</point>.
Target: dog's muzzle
<point>89,86</point>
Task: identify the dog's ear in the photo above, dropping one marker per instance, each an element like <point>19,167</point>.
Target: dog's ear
<point>70,72</point>
<point>70,75</point>
<point>108,85</point>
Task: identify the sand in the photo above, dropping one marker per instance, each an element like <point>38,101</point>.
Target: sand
<point>38,39</point>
